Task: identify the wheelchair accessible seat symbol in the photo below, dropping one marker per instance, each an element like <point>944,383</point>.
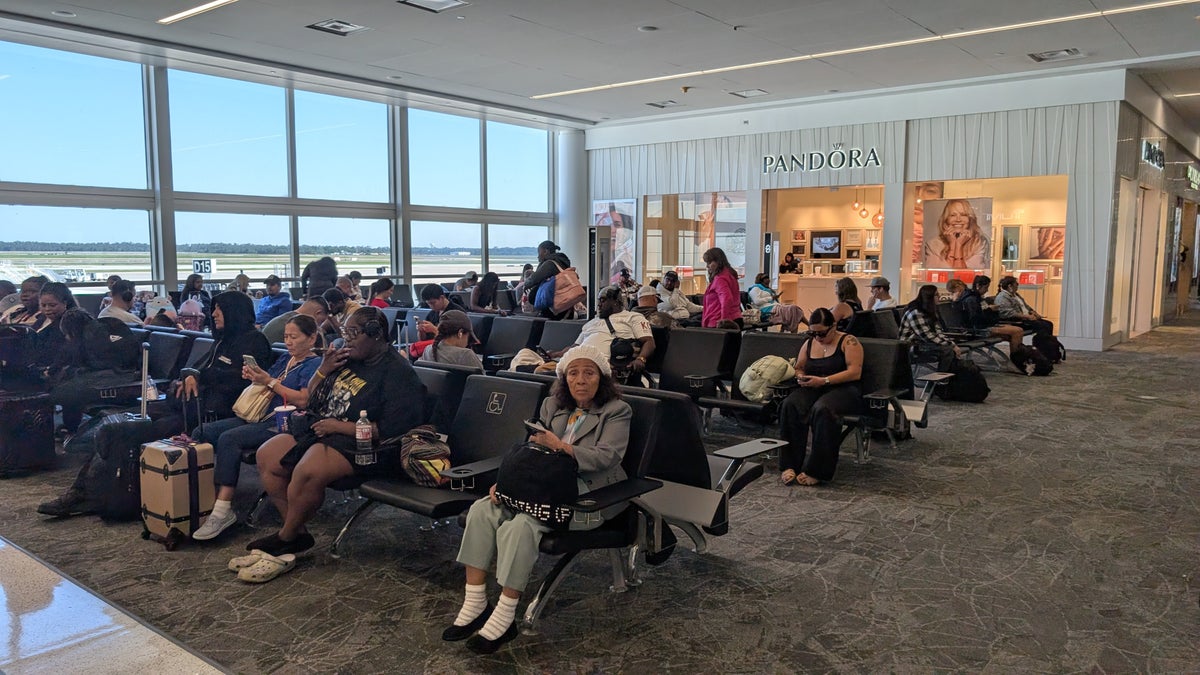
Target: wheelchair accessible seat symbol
<point>495,404</point>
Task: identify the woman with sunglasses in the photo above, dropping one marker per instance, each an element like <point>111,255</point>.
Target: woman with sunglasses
<point>828,370</point>
<point>366,374</point>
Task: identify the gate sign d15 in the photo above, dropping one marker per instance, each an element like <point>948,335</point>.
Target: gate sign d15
<point>204,266</point>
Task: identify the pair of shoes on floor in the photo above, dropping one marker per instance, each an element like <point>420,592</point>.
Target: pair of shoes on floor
<point>214,526</point>
<point>70,503</point>
<point>273,545</point>
<point>241,562</point>
<point>456,633</point>
<point>481,645</point>
<point>265,568</point>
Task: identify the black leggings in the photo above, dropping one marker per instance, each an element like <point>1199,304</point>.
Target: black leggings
<point>819,409</point>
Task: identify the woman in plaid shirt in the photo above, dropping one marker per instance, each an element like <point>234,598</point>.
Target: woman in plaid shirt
<point>920,324</point>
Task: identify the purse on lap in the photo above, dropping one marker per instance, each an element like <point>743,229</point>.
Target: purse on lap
<point>253,404</point>
<point>539,482</point>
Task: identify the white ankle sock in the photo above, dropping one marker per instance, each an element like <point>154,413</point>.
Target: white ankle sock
<point>473,604</point>
<point>221,508</point>
<point>501,618</point>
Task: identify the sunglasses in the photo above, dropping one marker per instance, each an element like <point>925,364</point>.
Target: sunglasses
<point>820,333</point>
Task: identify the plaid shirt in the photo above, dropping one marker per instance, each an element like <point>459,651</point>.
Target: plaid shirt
<point>918,328</point>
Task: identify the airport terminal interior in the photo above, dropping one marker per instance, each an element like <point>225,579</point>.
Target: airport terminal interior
<point>1053,527</point>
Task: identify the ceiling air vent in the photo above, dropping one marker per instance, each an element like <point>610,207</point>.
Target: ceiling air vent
<point>342,28</point>
<point>663,104</point>
<point>750,93</point>
<point>1056,55</point>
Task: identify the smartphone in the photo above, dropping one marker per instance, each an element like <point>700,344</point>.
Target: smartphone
<point>535,426</point>
<point>249,361</point>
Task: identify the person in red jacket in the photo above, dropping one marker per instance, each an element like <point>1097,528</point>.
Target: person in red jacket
<point>723,299</point>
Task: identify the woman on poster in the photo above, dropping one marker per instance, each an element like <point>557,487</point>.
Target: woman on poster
<point>960,242</point>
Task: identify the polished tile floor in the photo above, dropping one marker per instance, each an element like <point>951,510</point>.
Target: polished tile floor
<point>1054,528</point>
<point>53,625</point>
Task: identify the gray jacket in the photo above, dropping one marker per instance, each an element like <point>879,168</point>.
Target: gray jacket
<point>599,443</point>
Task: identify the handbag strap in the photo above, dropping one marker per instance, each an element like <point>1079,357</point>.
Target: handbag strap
<point>612,331</point>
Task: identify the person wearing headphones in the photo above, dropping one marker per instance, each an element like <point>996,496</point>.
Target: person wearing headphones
<point>122,301</point>
<point>365,375</point>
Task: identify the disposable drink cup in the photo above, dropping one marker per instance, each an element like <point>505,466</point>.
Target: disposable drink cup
<point>282,414</point>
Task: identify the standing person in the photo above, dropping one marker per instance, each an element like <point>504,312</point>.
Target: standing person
<point>789,265</point>
<point>551,261</point>
<point>318,276</point>
<point>722,298</point>
<point>288,381</point>
<point>848,302</point>
<point>381,293</point>
<point>586,419</point>
<point>828,368</point>
<point>1014,309</point>
<point>25,312</point>
<point>453,342</point>
<point>365,375</point>
<point>960,243</point>
<point>484,294</point>
<point>123,293</point>
<point>672,301</point>
<point>881,295</point>
<point>274,303</point>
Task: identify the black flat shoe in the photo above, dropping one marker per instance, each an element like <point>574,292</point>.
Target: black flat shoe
<point>273,545</point>
<point>71,503</point>
<point>482,645</point>
<point>456,633</point>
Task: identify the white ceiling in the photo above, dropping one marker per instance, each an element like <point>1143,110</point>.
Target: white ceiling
<point>502,52</point>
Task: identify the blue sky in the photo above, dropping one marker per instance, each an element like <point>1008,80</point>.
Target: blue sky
<point>81,122</point>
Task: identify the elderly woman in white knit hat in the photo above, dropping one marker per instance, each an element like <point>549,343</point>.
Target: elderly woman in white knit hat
<point>584,417</point>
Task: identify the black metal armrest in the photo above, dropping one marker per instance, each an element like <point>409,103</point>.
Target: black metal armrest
<point>611,495</point>
<point>701,378</point>
<point>500,359</point>
<point>743,451</point>
<point>474,469</point>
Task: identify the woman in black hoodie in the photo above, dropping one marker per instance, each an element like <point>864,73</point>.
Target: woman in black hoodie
<point>99,353</point>
<point>220,382</point>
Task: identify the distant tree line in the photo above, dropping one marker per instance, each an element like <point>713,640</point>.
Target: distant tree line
<point>248,249</point>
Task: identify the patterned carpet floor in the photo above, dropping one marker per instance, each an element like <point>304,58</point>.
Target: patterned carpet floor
<point>1054,528</point>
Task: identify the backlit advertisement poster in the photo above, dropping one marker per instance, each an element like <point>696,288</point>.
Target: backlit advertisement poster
<point>620,216</point>
<point>958,233</point>
<point>923,192</point>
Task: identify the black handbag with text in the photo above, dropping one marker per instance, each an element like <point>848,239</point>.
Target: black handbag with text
<point>540,482</point>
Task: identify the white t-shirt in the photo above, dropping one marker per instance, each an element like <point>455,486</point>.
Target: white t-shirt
<point>884,304</point>
<point>119,314</point>
<point>625,324</point>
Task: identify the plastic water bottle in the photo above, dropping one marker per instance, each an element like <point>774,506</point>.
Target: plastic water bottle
<point>364,440</point>
<point>150,390</point>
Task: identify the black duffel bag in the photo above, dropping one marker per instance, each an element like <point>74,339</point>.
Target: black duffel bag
<point>539,482</point>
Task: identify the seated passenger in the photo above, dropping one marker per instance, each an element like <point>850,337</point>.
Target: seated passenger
<point>276,302</point>
<point>340,308</point>
<point>828,369</point>
<point>484,295</point>
<point>9,296</point>
<point>193,289</point>
<point>99,352</point>
<point>365,375</point>
<point>241,284</point>
<point>288,380</point>
<point>922,328</point>
<point>121,303</point>
<point>381,293</point>
<point>354,292</point>
<point>628,286</point>
<point>614,321</point>
<point>848,302</point>
<point>1014,309</point>
<point>674,302</point>
<point>881,295</point>
<point>467,282</point>
<point>434,297</point>
<point>48,346</point>
<point>647,306</point>
<point>770,309</point>
<point>25,312</point>
<point>586,419</point>
<point>317,308</point>
<point>453,342</point>
<point>980,319</point>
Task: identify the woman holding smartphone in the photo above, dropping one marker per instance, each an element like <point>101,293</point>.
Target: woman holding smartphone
<point>288,380</point>
<point>828,369</point>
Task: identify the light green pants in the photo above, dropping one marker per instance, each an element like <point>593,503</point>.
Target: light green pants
<point>511,537</point>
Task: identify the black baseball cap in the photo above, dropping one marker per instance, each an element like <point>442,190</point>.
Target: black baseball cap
<point>272,281</point>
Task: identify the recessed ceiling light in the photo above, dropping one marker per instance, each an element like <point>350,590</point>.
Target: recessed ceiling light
<point>1097,14</point>
<point>647,29</point>
<point>749,93</point>
<point>64,13</point>
<point>435,6</point>
<point>337,27</point>
<point>395,77</point>
<point>663,104</point>
<point>1056,55</point>
<point>1194,93</point>
<point>199,9</point>
<point>832,91</point>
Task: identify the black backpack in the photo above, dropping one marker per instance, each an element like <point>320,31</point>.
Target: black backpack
<point>1031,361</point>
<point>1050,347</point>
<point>967,385</point>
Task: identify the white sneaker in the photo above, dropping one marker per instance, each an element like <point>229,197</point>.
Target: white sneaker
<point>214,526</point>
